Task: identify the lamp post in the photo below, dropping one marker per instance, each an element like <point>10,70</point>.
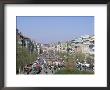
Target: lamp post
<point>67,51</point>
<point>67,56</point>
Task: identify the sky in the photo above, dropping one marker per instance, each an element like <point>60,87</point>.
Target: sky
<point>49,29</point>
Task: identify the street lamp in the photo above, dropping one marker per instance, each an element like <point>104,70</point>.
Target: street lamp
<point>67,51</point>
<point>67,56</point>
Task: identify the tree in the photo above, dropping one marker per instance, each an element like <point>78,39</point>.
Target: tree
<point>90,59</point>
<point>23,57</point>
<point>80,56</point>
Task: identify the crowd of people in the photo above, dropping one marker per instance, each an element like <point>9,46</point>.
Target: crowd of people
<point>85,66</point>
<point>45,64</point>
<point>41,66</point>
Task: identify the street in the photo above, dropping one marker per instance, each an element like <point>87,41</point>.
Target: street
<point>50,63</point>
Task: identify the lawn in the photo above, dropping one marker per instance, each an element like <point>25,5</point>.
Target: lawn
<point>65,71</point>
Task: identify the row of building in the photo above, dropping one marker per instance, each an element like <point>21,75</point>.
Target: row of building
<point>27,42</point>
<point>84,44</point>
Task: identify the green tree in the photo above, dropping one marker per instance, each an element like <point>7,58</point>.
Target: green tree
<point>90,59</point>
<point>23,57</point>
<point>80,56</point>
